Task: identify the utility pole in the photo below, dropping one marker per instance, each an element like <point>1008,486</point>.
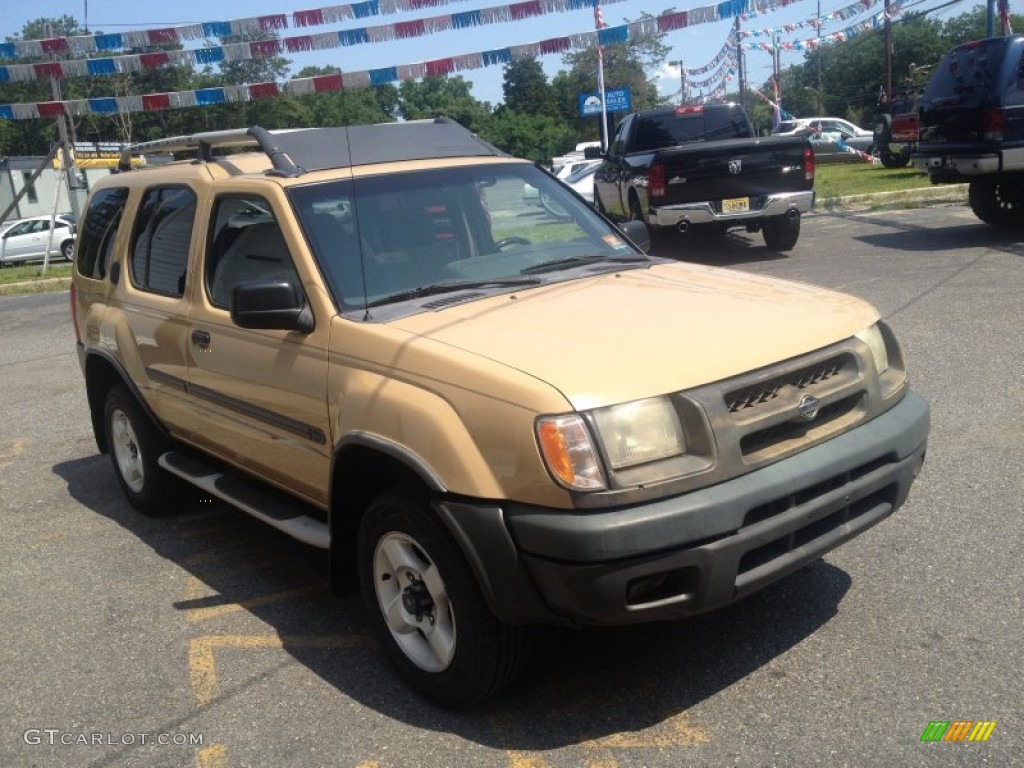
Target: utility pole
<point>888,56</point>
<point>682,81</point>
<point>821,89</point>
<point>739,63</point>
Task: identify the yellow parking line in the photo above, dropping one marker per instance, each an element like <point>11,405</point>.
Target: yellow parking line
<point>525,760</point>
<point>213,756</point>
<point>16,449</point>
<point>203,668</point>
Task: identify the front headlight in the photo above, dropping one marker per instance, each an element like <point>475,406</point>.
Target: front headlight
<point>885,351</point>
<point>873,338</point>
<point>632,435</point>
<point>640,432</point>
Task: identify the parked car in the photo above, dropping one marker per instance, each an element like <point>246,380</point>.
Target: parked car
<point>26,240</point>
<point>576,169</point>
<point>971,127</point>
<point>829,136</point>
<point>362,337</point>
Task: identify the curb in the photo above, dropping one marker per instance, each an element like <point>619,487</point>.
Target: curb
<point>906,198</point>
<point>44,285</point>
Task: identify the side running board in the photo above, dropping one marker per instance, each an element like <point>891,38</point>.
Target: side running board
<point>262,502</point>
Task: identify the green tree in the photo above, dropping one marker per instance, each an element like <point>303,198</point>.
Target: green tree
<point>533,136</point>
<point>443,97</point>
<point>526,88</point>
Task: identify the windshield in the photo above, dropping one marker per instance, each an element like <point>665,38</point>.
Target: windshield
<point>403,237</point>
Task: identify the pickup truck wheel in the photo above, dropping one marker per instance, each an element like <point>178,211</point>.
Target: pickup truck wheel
<point>781,232</point>
<point>999,204</point>
<point>893,160</point>
<point>134,446</point>
<point>426,609</point>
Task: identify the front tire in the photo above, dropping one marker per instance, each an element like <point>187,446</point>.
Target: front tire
<point>998,203</point>
<point>135,444</point>
<point>426,609</point>
<point>781,232</point>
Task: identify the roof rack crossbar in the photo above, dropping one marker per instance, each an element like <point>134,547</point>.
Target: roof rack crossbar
<point>204,144</point>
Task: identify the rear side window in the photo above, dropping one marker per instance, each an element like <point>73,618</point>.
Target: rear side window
<point>163,231</point>
<point>96,239</point>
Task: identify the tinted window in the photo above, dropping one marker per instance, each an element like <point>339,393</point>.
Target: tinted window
<point>96,240</point>
<point>159,254</point>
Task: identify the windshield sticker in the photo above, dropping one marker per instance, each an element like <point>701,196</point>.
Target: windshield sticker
<point>614,241</point>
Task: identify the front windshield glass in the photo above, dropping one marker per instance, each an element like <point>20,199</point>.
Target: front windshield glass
<point>402,237</point>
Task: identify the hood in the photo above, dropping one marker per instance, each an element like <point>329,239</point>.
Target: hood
<point>638,333</point>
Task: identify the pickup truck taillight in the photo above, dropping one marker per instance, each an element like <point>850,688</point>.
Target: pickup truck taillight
<point>808,164</point>
<point>904,127</point>
<point>657,181</point>
<point>992,124</point>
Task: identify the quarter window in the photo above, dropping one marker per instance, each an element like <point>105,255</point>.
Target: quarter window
<point>163,231</point>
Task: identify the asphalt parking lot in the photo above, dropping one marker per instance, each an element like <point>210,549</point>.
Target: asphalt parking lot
<point>208,639</point>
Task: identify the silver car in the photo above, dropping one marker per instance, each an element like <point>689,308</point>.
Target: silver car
<point>28,239</point>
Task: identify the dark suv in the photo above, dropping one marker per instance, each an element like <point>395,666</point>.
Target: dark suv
<point>972,126</point>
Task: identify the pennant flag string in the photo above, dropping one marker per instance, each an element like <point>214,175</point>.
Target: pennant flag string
<point>330,40</point>
<point>84,45</point>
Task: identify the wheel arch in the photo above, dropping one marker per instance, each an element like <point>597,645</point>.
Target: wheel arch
<point>362,467</point>
<point>101,373</point>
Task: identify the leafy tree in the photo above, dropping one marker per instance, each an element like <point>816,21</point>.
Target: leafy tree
<point>533,136</point>
<point>443,96</point>
<point>526,88</point>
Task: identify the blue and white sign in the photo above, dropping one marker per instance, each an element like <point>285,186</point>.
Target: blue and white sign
<point>618,101</point>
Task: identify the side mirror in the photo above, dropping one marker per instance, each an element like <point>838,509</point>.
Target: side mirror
<point>271,306</point>
<point>593,153</point>
<point>638,233</point>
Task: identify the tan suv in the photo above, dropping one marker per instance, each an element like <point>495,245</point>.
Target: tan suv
<point>491,415</point>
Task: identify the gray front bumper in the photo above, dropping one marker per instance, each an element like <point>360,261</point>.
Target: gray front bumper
<point>709,211</point>
<point>702,550</point>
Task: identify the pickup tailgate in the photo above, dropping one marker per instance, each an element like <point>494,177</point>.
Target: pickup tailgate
<point>733,168</point>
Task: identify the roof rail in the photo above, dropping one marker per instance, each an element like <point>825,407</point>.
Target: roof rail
<point>205,143</point>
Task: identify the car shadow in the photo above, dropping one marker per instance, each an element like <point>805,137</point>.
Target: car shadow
<point>907,236</point>
<point>582,686</point>
<point>722,250</point>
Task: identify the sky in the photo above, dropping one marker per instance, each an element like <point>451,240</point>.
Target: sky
<point>696,45</point>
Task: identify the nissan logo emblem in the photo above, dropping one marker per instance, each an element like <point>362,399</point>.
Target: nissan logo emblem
<point>808,407</point>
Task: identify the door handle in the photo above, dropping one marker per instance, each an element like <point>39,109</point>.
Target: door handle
<point>201,339</point>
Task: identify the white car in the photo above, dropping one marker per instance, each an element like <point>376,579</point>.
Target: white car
<point>26,240</point>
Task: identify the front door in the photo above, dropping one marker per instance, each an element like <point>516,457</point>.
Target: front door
<point>260,395</point>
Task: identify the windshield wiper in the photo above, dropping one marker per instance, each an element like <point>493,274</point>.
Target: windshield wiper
<point>576,261</point>
<point>450,286</point>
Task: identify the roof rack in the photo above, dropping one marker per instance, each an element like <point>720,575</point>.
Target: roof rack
<point>295,151</point>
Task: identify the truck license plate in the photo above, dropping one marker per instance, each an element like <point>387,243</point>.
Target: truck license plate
<point>736,205</point>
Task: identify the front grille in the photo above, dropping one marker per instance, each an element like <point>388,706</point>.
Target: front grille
<point>763,392</point>
<point>797,429</point>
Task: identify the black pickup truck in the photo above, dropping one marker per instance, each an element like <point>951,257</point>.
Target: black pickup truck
<point>972,127</point>
<point>702,167</point>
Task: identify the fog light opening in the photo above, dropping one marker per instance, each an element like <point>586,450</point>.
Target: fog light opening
<point>667,586</point>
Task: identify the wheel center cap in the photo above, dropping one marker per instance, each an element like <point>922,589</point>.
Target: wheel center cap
<point>417,600</point>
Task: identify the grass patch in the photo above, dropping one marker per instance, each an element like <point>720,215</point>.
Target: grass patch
<point>33,272</point>
<point>844,179</point>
